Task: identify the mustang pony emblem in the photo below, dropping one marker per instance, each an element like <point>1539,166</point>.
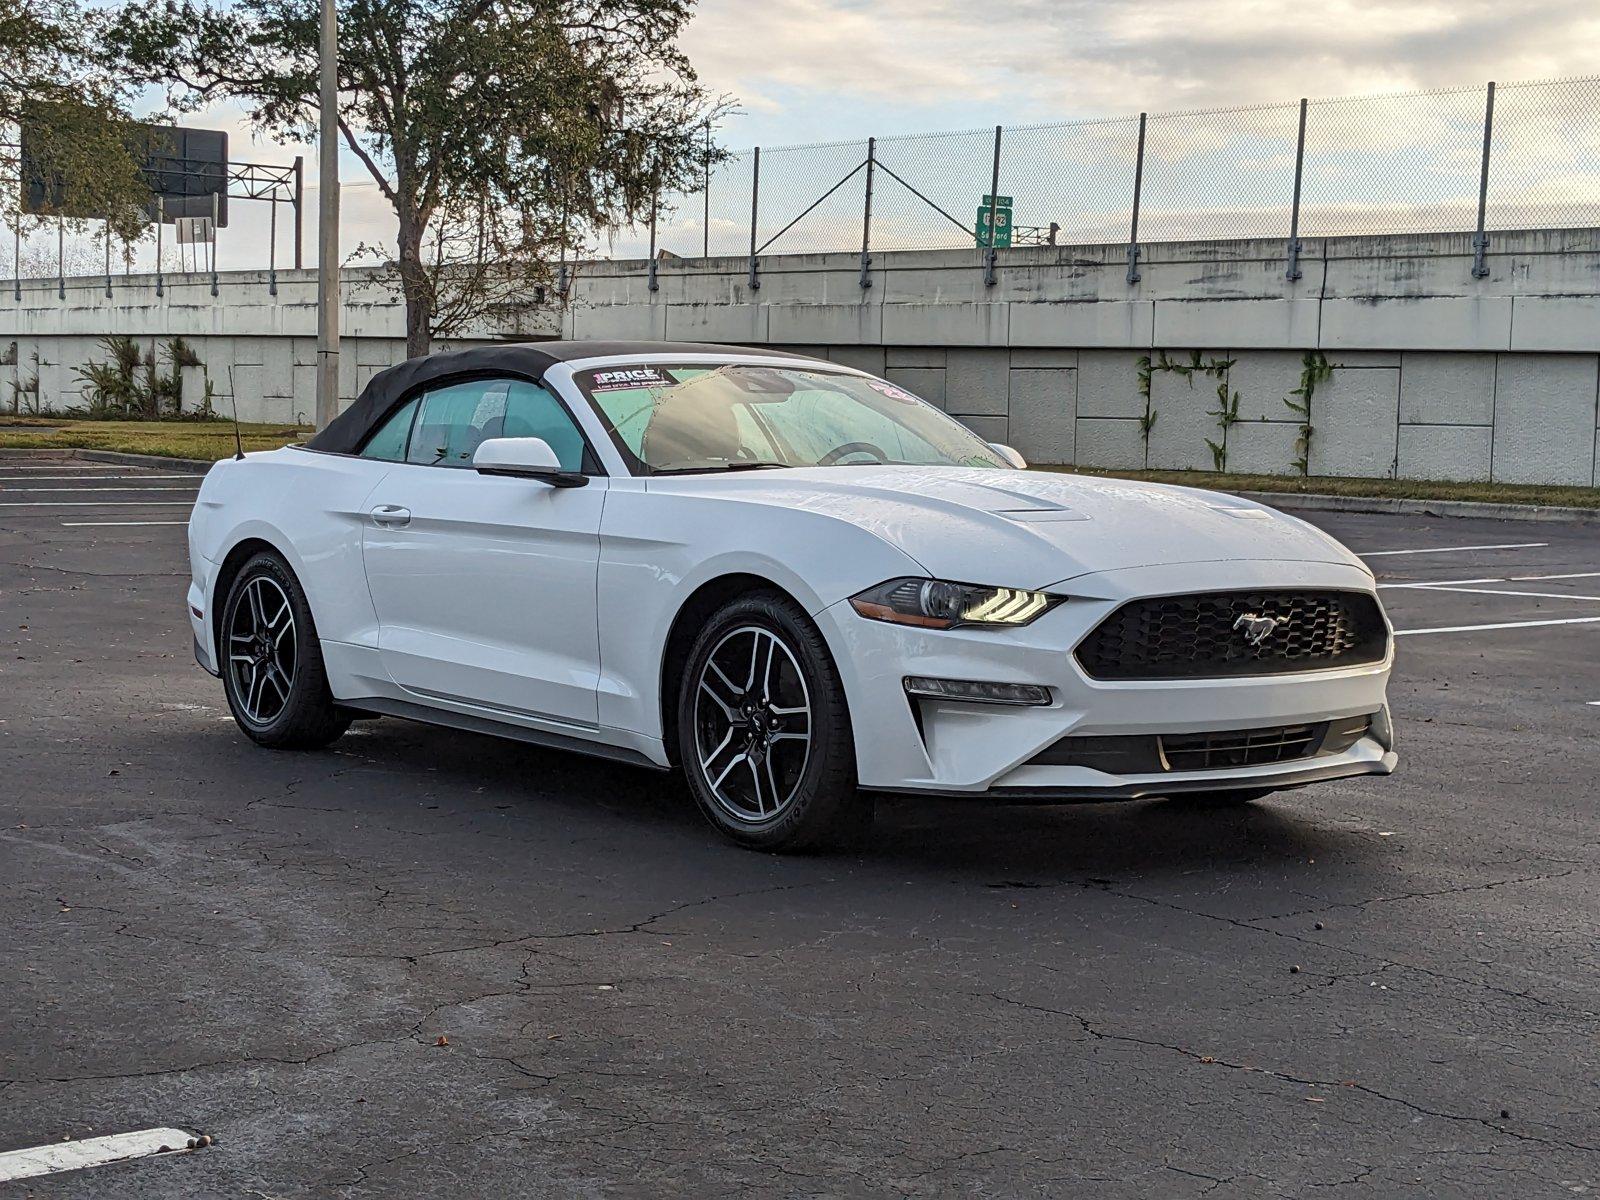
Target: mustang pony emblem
<point>1256,629</point>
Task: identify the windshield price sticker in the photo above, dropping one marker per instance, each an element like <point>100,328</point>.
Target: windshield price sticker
<point>889,390</point>
<point>626,378</point>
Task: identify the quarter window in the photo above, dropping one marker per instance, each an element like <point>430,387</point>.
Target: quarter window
<point>389,443</point>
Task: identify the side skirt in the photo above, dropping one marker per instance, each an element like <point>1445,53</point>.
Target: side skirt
<point>475,724</point>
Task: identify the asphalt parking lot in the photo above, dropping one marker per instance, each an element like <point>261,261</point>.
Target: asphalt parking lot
<point>428,963</point>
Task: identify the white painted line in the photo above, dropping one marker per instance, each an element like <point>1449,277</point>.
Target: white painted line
<point>1593,703</point>
<point>91,503</point>
<point>1456,549</point>
<point>1439,583</point>
<point>164,487</point>
<point>1503,592</point>
<point>74,466</point>
<point>1501,625</point>
<point>1428,584</point>
<point>96,478</point>
<point>91,1152</point>
<point>87,524</point>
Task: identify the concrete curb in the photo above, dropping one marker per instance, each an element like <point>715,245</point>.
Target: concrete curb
<point>197,465</point>
<point>1310,502</point>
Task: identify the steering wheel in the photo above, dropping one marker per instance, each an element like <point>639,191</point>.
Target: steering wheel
<point>838,452</point>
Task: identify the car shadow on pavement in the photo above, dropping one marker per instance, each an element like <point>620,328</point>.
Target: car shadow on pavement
<point>386,769</point>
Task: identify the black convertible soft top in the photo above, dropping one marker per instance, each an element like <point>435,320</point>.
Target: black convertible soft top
<point>385,390</point>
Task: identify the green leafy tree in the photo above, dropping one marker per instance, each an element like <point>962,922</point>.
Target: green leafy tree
<point>498,131</point>
<point>78,128</point>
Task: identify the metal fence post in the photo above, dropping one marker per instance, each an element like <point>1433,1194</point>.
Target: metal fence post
<point>108,260</point>
<point>161,220</point>
<point>866,217</point>
<point>299,197</point>
<point>755,198</point>
<point>1294,271</point>
<point>705,224</point>
<point>61,257</point>
<point>654,284</point>
<point>272,248</point>
<point>1138,184</point>
<point>1480,243</point>
<point>994,203</point>
<point>216,204</point>
<point>16,262</point>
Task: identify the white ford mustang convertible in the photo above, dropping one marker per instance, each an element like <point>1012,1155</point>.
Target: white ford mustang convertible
<point>795,581</point>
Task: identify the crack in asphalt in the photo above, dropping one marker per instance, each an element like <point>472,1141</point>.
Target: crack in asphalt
<point>1089,1029</point>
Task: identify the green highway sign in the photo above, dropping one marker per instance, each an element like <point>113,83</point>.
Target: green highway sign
<point>1001,207</point>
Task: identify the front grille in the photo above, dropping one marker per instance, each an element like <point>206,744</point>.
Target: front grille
<point>1207,635</point>
<point>1152,753</point>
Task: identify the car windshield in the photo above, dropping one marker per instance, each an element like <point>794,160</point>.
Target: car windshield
<point>683,417</point>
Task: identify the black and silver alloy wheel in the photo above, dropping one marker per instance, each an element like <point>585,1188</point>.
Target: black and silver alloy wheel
<point>262,650</point>
<point>752,724</point>
<point>272,668</point>
<point>763,729</point>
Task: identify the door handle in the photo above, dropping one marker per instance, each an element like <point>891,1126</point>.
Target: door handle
<point>391,516</point>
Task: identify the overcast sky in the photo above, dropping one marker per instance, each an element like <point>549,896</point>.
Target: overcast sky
<point>817,70</point>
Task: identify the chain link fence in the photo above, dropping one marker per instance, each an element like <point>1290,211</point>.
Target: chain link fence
<point>1470,160</point>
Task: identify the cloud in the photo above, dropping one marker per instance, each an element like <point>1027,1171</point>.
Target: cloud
<point>1032,60</point>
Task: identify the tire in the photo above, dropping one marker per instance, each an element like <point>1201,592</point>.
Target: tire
<point>271,660</point>
<point>1236,798</point>
<point>764,731</point>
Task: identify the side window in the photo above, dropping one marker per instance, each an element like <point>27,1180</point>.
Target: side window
<point>453,420</point>
<point>389,443</point>
<point>531,411</point>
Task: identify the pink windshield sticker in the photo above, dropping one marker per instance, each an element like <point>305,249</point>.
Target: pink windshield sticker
<point>894,393</point>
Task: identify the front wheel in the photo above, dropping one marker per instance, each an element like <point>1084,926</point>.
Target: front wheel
<point>271,660</point>
<point>764,732</point>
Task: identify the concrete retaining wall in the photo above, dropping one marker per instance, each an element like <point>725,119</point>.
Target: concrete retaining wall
<point>1431,373</point>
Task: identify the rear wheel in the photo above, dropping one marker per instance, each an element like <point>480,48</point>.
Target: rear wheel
<point>1235,798</point>
<point>764,732</point>
<point>272,669</point>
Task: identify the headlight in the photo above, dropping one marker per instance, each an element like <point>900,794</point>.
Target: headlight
<point>939,604</point>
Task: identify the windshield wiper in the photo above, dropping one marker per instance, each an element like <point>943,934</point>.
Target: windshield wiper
<point>732,466</point>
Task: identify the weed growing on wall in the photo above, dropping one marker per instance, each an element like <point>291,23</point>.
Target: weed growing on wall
<point>25,393</point>
<point>1147,419</point>
<point>131,385</point>
<point>1227,413</point>
<point>1314,371</point>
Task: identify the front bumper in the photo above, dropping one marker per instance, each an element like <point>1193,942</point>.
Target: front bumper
<point>942,747</point>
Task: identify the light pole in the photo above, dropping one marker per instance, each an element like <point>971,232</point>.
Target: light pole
<point>328,223</point>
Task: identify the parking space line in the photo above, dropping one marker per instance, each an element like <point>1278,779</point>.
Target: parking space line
<point>1504,592</point>
<point>92,503</point>
<point>96,478</point>
<point>1501,625</point>
<point>1456,549</point>
<point>1532,578</point>
<point>91,1152</point>
<point>88,524</point>
<point>160,487</point>
<point>1429,584</point>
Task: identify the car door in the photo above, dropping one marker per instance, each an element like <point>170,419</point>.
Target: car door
<point>485,585</point>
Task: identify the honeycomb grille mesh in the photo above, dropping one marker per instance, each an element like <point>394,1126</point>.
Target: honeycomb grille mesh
<point>1207,635</point>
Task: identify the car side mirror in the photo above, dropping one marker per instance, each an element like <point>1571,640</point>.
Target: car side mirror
<point>1009,455</point>
<point>524,458</point>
